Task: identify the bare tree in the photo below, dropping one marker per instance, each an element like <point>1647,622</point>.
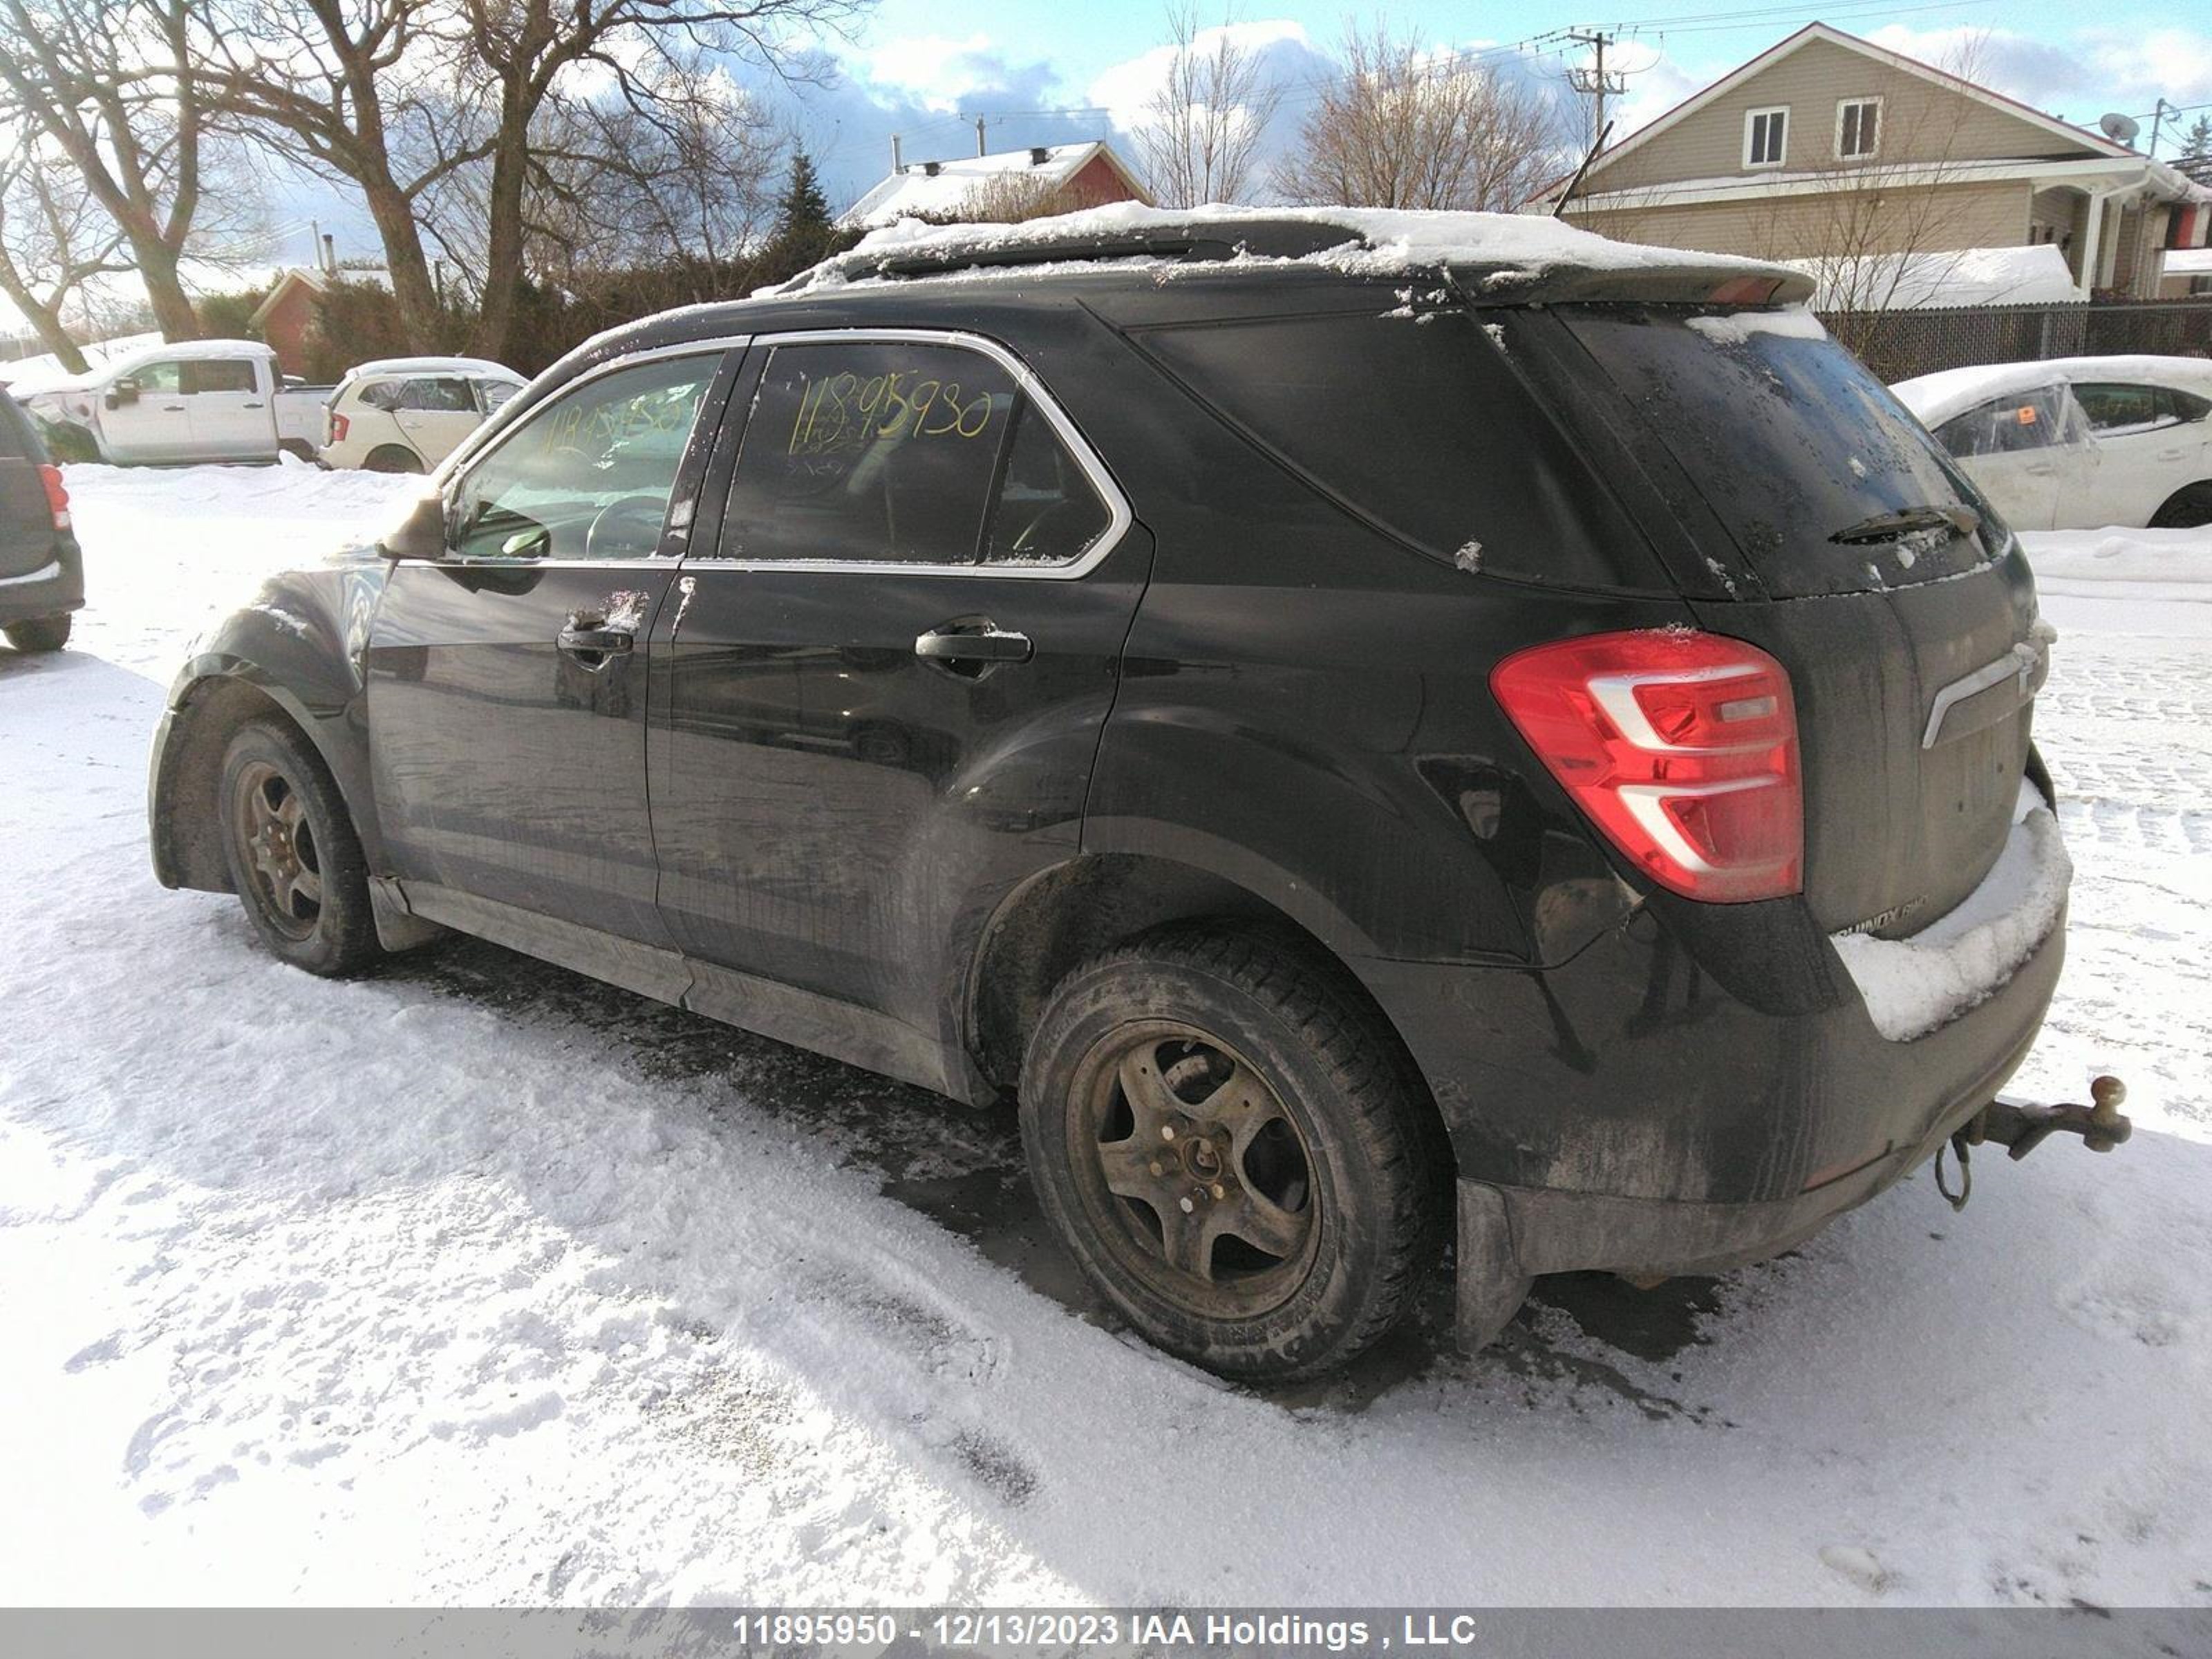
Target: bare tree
<point>110,83</point>
<point>527,54</point>
<point>53,238</point>
<point>372,92</point>
<point>1199,134</point>
<point>1407,127</point>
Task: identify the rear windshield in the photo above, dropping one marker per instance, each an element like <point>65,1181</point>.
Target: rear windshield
<point>1824,482</point>
<point>17,442</point>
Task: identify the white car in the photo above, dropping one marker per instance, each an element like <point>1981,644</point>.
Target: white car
<point>2078,443</point>
<point>408,414</point>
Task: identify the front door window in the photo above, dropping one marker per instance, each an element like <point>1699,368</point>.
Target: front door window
<point>588,475</point>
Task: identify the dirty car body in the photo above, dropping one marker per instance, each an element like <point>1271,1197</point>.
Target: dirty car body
<point>1288,519</point>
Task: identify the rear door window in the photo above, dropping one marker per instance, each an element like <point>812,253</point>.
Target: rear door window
<point>437,397</point>
<point>1819,475</point>
<point>218,375</point>
<point>908,453</point>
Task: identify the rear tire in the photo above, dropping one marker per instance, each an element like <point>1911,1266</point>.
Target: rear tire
<point>1232,1146</point>
<point>39,633</point>
<point>2186,509</point>
<point>392,458</point>
<point>294,861</point>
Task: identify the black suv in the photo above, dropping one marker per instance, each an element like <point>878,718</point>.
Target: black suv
<point>41,571</point>
<point>1352,742</point>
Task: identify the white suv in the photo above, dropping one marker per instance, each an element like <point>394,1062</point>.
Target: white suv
<point>407,414</point>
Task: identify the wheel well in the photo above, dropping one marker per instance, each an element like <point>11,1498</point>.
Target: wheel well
<point>2189,493</point>
<point>1077,911</point>
<point>188,829</point>
<point>413,461</point>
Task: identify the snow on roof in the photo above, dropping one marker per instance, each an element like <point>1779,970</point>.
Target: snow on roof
<point>1377,241</point>
<point>1934,398</point>
<point>45,373</point>
<point>916,190</point>
<point>434,366</point>
<point>1956,277</point>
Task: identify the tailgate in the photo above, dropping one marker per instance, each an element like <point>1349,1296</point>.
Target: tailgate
<point>1831,532</point>
<point>27,520</point>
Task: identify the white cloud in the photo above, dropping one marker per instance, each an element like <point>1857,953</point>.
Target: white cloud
<point>1127,87</point>
<point>934,70</point>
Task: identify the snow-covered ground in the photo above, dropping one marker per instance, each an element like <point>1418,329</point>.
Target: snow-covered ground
<point>477,1282</point>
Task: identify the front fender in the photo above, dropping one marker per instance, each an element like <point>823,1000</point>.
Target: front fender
<point>295,651</point>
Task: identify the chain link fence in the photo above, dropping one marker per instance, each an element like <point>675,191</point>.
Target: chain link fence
<point>1898,344</point>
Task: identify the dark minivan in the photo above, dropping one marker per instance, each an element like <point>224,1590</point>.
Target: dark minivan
<point>1356,735</point>
<point>41,570</point>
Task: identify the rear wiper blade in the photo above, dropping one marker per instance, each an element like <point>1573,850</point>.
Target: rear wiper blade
<point>1895,526</point>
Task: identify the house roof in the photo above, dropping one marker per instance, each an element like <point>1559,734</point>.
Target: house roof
<point>943,187</point>
<point>2095,144</point>
<point>314,281</point>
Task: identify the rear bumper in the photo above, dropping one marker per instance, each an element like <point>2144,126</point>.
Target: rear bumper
<point>1627,1113</point>
<point>50,589</point>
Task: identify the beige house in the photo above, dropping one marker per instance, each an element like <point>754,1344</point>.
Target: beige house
<point>1828,148</point>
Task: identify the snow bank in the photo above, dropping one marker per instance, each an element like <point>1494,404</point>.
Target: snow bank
<point>2179,557</point>
<point>1934,398</point>
<point>1395,240</point>
<point>1956,276</point>
<point>1913,985</point>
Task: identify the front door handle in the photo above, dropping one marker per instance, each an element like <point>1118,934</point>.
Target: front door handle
<point>595,641</point>
<point>984,643</point>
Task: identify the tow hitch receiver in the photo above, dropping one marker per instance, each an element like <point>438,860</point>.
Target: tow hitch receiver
<point>2022,1128</point>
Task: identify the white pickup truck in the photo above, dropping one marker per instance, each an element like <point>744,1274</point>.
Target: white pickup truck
<point>202,400</point>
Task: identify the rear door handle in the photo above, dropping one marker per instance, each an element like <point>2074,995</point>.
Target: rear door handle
<point>249,405</point>
<point>987,643</point>
<point>595,641</point>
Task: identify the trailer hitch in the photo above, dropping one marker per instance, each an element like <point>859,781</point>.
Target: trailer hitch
<point>2022,1127</point>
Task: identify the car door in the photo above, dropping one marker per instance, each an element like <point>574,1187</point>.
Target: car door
<point>144,418</point>
<point>436,412</point>
<point>878,697</point>
<point>2023,451</point>
<point>2145,450</point>
<point>505,680</point>
<point>233,417</point>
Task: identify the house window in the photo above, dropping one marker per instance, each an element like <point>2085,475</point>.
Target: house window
<point>1766,137</point>
<point>1858,128</point>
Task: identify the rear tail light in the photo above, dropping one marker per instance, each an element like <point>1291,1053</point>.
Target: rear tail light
<point>339,425</point>
<point>1680,746</point>
<point>56,496</point>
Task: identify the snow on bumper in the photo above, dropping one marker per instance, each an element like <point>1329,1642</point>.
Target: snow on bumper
<point>1915,986</point>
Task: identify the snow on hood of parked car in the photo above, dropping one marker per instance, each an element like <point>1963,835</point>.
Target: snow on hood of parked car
<point>1934,398</point>
<point>1955,276</point>
<point>1377,241</point>
<point>1914,986</point>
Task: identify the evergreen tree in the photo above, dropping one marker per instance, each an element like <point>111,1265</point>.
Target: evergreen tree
<point>805,234</point>
<point>2197,142</point>
<point>804,212</point>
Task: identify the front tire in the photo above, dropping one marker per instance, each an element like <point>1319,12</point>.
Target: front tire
<point>39,633</point>
<point>294,861</point>
<point>1232,1146</point>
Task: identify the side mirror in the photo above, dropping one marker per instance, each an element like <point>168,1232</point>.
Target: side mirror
<point>122,393</point>
<point>420,535</point>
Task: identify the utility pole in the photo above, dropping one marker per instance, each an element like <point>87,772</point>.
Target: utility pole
<point>978,135</point>
<point>2158,119</point>
<point>1593,82</point>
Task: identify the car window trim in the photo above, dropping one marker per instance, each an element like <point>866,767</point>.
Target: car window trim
<point>721,346</point>
<point>1119,516</point>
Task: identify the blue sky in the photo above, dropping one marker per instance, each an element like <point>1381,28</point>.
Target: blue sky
<point>924,68</point>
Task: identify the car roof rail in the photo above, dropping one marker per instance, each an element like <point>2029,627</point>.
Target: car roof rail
<point>1191,241</point>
